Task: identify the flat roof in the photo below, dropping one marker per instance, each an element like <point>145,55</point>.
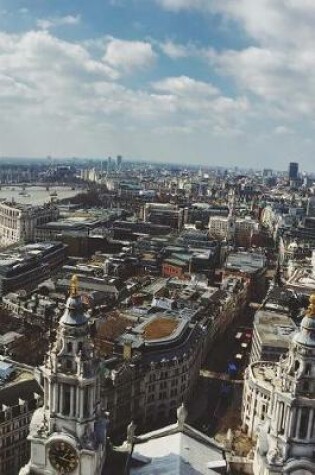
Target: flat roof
<point>175,262</point>
<point>245,261</point>
<point>274,329</point>
<point>160,327</point>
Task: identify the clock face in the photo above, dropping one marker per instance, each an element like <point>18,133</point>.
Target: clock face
<point>63,457</point>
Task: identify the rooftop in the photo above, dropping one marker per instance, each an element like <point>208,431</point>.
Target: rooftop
<point>265,374</point>
<point>16,257</point>
<point>274,328</point>
<point>302,280</point>
<point>24,206</point>
<point>160,327</point>
<point>246,261</point>
<point>20,385</point>
<point>177,453</point>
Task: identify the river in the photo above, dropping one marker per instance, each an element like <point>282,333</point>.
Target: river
<point>36,195</point>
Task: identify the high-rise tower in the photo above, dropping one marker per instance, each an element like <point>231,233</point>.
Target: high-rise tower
<point>68,434</point>
<point>293,170</point>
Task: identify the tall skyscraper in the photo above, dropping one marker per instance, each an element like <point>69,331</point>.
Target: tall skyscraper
<point>118,162</point>
<point>293,170</point>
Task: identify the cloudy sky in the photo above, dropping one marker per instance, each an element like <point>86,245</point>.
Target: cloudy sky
<point>218,82</point>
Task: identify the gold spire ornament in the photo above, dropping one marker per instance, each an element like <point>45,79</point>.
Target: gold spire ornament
<point>74,286</point>
<point>311,308</point>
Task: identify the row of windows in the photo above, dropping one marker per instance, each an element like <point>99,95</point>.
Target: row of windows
<point>15,424</point>
<point>168,374</point>
<point>12,439</point>
<point>162,395</point>
<point>9,212</point>
<point>165,384</point>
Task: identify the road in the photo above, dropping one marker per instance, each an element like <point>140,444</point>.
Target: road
<point>216,401</point>
<point>212,375</point>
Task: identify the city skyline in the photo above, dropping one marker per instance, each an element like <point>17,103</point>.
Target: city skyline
<point>186,81</point>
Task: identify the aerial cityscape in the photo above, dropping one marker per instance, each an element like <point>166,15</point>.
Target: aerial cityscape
<point>157,237</point>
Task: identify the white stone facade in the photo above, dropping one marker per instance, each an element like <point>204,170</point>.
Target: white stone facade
<point>279,407</point>
<point>70,419</point>
<point>18,222</point>
<point>238,229</point>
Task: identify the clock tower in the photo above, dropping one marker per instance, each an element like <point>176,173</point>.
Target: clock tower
<point>68,434</point>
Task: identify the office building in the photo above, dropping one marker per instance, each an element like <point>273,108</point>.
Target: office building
<point>18,222</point>
<point>19,397</point>
<point>24,267</point>
<point>293,171</point>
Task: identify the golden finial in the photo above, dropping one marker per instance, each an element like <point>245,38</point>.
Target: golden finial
<point>311,308</point>
<point>74,286</point>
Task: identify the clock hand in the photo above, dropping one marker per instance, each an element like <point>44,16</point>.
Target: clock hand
<point>65,459</point>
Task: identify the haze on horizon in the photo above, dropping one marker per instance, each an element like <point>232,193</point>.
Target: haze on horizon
<point>215,82</point>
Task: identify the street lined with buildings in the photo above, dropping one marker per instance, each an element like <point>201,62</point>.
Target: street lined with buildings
<point>173,314</point>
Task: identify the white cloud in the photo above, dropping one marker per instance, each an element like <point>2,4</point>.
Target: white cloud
<point>129,55</point>
<point>278,66</point>
<point>48,23</point>
<point>201,106</point>
<point>179,51</point>
<point>283,130</point>
<point>174,51</point>
<point>60,98</point>
<point>281,77</point>
<point>176,5</point>
<point>276,71</point>
<point>184,85</point>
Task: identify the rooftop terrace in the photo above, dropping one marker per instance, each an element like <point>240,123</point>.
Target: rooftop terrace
<point>160,328</point>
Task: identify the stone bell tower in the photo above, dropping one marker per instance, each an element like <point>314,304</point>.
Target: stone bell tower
<point>68,434</point>
<point>286,443</point>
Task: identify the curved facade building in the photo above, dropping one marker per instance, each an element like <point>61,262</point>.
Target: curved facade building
<point>161,363</point>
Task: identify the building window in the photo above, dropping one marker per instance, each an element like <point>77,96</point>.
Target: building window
<point>66,400</point>
<point>281,418</point>
<point>306,386</point>
<point>86,403</point>
<point>304,423</point>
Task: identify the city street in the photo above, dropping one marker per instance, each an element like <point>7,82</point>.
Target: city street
<point>215,405</point>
